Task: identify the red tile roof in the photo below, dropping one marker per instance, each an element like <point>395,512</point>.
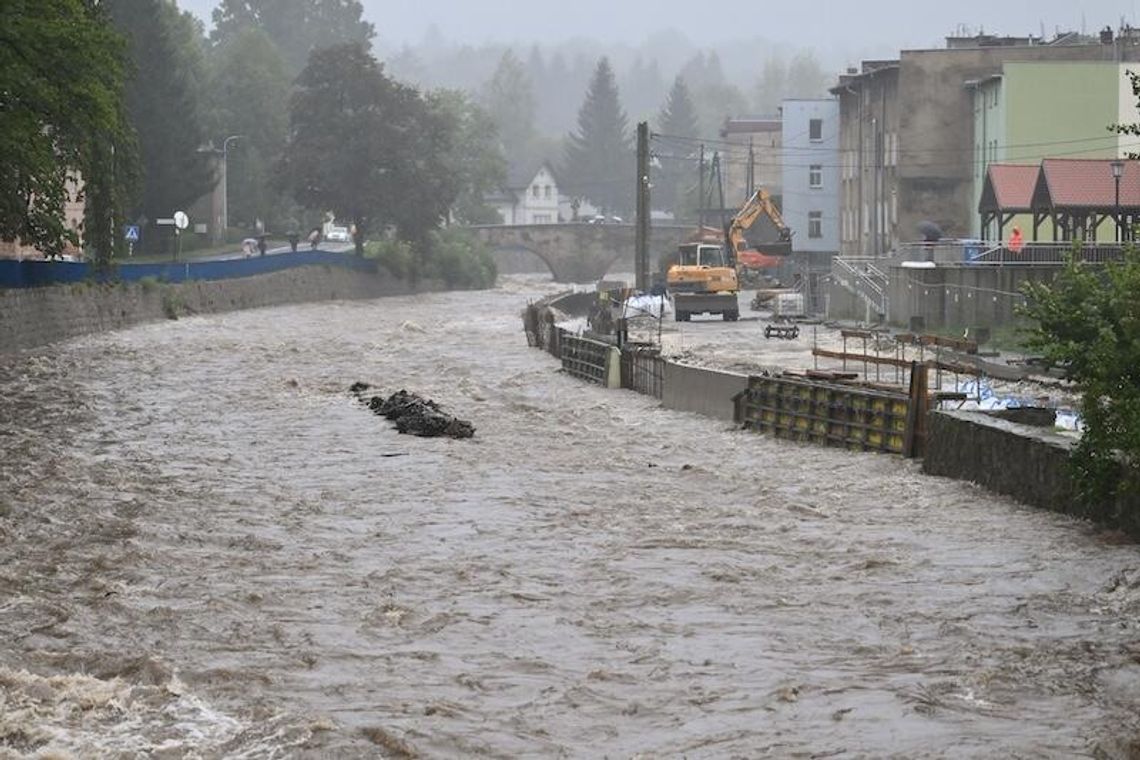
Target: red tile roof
<point>1012,185</point>
<point>1088,183</point>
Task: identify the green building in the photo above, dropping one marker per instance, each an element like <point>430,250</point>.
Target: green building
<point>1034,110</point>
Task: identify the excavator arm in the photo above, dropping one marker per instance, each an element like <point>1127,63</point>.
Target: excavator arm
<point>759,203</point>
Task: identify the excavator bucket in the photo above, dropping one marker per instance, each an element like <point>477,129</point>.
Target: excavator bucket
<point>757,260</point>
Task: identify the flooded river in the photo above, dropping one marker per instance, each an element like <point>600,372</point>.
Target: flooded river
<point>210,549</point>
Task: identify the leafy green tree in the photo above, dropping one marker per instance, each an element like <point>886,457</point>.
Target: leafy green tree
<point>600,163</point>
<point>367,148</point>
<point>674,173</point>
<point>164,104</point>
<point>62,68</point>
<point>249,96</point>
<point>297,27</point>
<point>509,97</point>
<point>1087,321</point>
<point>476,156</point>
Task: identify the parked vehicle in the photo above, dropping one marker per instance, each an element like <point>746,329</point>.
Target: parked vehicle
<point>336,234</point>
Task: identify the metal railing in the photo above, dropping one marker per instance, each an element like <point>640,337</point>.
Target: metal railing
<point>863,278</point>
<point>990,253</point>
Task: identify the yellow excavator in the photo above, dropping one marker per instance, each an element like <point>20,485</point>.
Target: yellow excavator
<point>706,274</point>
<point>702,280</point>
<point>750,262</point>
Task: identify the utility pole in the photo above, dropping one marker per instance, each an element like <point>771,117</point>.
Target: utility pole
<point>641,245</point>
<point>701,189</point>
<point>750,184</point>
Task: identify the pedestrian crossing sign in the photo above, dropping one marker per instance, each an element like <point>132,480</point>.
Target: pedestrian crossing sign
<point>131,233</point>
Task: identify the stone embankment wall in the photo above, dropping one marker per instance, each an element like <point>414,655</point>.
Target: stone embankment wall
<point>39,316</point>
<point>1028,463</point>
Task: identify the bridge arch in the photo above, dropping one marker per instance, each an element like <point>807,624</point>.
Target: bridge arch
<point>578,252</point>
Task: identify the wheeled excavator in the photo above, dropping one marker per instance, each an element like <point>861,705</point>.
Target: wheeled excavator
<point>705,275</point>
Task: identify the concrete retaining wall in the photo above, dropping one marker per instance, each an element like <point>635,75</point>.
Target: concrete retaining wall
<point>845,305</point>
<point>39,316</point>
<point>702,391</point>
<point>965,296</point>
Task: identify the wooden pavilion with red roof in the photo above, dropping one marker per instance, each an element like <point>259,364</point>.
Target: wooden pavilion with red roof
<point>1076,195</point>
<point>1008,191</point>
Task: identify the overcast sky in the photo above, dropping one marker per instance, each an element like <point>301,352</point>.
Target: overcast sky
<point>830,26</point>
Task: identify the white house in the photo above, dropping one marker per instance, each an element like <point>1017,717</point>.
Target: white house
<point>530,197</point>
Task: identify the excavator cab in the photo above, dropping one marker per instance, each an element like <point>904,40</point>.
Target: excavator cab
<point>702,255</point>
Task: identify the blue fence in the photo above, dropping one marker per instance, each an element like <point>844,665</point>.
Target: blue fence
<point>36,273</point>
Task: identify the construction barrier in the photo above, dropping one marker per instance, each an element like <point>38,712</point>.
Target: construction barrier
<point>829,414</point>
<point>643,370</point>
<point>586,359</point>
<point>31,273</point>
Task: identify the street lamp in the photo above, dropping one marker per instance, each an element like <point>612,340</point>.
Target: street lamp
<point>1117,172</point>
<point>225,186</point>
<point>224,152</point>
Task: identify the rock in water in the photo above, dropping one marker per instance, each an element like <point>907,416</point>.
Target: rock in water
<point>358,387</point>
<point>415,415</point>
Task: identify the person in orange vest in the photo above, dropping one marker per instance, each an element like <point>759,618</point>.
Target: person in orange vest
<point>1016,242</point>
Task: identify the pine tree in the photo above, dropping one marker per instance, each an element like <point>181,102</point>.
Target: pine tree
<point>772,86</point>
<point>509,98</point>
<point>678,118</point>
<point>600,162</point>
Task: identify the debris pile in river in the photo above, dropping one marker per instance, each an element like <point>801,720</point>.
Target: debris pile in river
<point>414,414</point>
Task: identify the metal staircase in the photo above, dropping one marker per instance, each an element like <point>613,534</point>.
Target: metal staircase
<point>862,278</point>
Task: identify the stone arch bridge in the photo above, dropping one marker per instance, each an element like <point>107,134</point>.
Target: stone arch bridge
<point>580,252</point>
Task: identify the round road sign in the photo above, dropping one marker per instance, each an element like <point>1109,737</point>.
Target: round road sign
<point>181,221</point>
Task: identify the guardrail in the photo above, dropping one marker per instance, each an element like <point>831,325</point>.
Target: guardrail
<point>34,273</point>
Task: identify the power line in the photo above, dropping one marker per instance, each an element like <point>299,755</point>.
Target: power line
<point>736,146</point>
<point>738,160</point>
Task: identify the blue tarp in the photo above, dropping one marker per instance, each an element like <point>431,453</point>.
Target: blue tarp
<point>36,273</point>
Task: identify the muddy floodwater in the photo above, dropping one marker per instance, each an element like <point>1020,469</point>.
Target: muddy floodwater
<point>209,549</point>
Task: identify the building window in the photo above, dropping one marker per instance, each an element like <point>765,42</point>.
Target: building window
<point>546,191</point>
<point>815,176</point>
<point>815,130</point>
<point>815,224</point>
<point>534,191</point>
<point>542,219</point>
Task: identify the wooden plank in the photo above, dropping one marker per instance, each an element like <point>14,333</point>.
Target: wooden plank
<point>887,360</point>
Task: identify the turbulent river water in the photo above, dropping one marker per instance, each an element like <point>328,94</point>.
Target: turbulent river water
<point>208,548</point>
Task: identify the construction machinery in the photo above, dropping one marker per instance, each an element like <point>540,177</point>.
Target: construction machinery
<point>702,280</point>
<point>751,263</point>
